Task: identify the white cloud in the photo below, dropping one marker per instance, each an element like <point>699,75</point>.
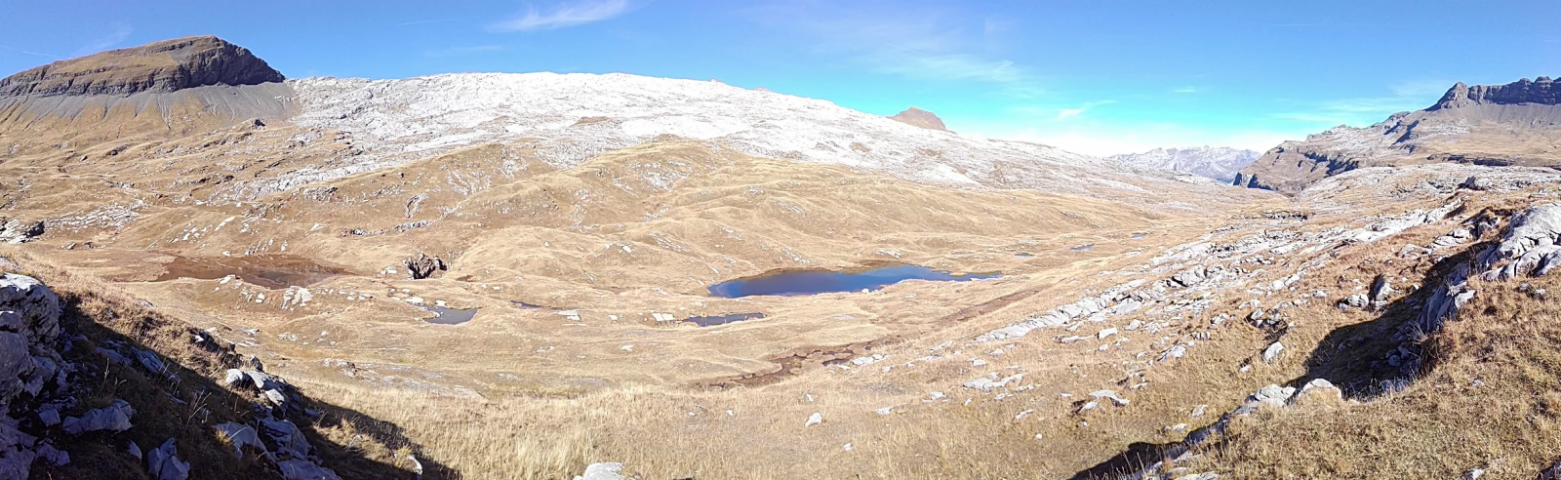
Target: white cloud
<point>565,15</point>
<point>110,39</point>
<point>1186,90</point>
<point>1068,113</point>
<point>917,43</point>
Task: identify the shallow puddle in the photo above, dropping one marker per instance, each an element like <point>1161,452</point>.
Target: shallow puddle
<point>270,271</point>
<point>1081,248</point>
<point>809,282</point>
<point>450,316</point>
<point>713,320</point>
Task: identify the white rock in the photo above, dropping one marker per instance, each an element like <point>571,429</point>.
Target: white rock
<point>114,418</point>
<point>1272,352</point>
<point>163,463</point>
<point>602,471</point>
<point>814,419</point>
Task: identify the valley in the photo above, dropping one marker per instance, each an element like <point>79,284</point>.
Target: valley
<point>537,275</point>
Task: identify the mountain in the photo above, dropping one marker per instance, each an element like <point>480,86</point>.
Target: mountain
<point>160,66</point>
<point>317,278</point>
<point>920,118</point>
<point>1513,124</point>
<point>1219,163</point>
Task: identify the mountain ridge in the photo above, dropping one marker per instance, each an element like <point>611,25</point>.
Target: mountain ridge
<point>1218,163</point>
<point>164,66</point>
<point>1511,124</point>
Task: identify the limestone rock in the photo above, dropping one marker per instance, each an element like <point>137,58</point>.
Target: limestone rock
<point>814,419</point>
<point>114,418</point>
<point>1272,352</point>
<point>1318,388</point>
<point>602,471</point>
<point>164,464</point>
<point>240,436</point>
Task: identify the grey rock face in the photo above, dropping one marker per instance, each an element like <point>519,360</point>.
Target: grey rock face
<point>1541,91</point>
<point>1530,245</point>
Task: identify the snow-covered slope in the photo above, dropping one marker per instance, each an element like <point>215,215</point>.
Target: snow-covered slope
<point>573,117</point>
<point>1219,163</point>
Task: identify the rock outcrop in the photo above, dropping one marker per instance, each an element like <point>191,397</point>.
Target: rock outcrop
<point>1541,90</point>
<point>163,66</point>
<point>917,117</point>
<point>29,364</point>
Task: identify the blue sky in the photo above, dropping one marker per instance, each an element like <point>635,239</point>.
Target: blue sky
<point>1091,76</point>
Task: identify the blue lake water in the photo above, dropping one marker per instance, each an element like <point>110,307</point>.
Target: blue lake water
<point>713,320</point>
<point>809,282</point>
<point>450,316</point>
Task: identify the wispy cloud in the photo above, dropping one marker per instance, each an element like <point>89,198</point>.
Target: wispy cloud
<point>1406,96</point>
<point>461,51</point>
<point>1186,90</point>
<point>29,52</point>
<point>1068,113</point>
<point>565,15</point>
<point>110,39</point>
<point>917,43</point>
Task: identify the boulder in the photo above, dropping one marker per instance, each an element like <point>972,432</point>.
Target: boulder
<point>1110,395</point>
<point>423,266</point>
<point>602,471</point>
<point>114,418</point>
<point>1318,389</point>
<point>1380,290</point>
<point>1358,300</point>
<point>164,464</point>
<point>1272,352</point>
<point>240,435</point>
<point>814,419</point>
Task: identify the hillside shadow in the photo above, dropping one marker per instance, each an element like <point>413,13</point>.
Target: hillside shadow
<point>1355,358</point>
<point>182,404</point>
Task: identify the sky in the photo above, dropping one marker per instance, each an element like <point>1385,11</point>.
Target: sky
<point>1098,77</point>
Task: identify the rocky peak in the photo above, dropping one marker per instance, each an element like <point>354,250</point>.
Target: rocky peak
<point>917,117</point>
<point>162,66</point>
<point>1542,90</point>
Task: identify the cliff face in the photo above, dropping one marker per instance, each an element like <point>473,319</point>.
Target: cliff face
<point>1542,91</point>
<point>163,66</point>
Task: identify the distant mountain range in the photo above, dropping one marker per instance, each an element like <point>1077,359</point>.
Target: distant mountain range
<point>1219,163</point>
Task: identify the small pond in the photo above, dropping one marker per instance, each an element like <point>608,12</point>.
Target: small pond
<point>270,271</point>
<point>809,282</point>
<point>1081,248</point>
<point>713,320</point>
<point>450,316</point>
